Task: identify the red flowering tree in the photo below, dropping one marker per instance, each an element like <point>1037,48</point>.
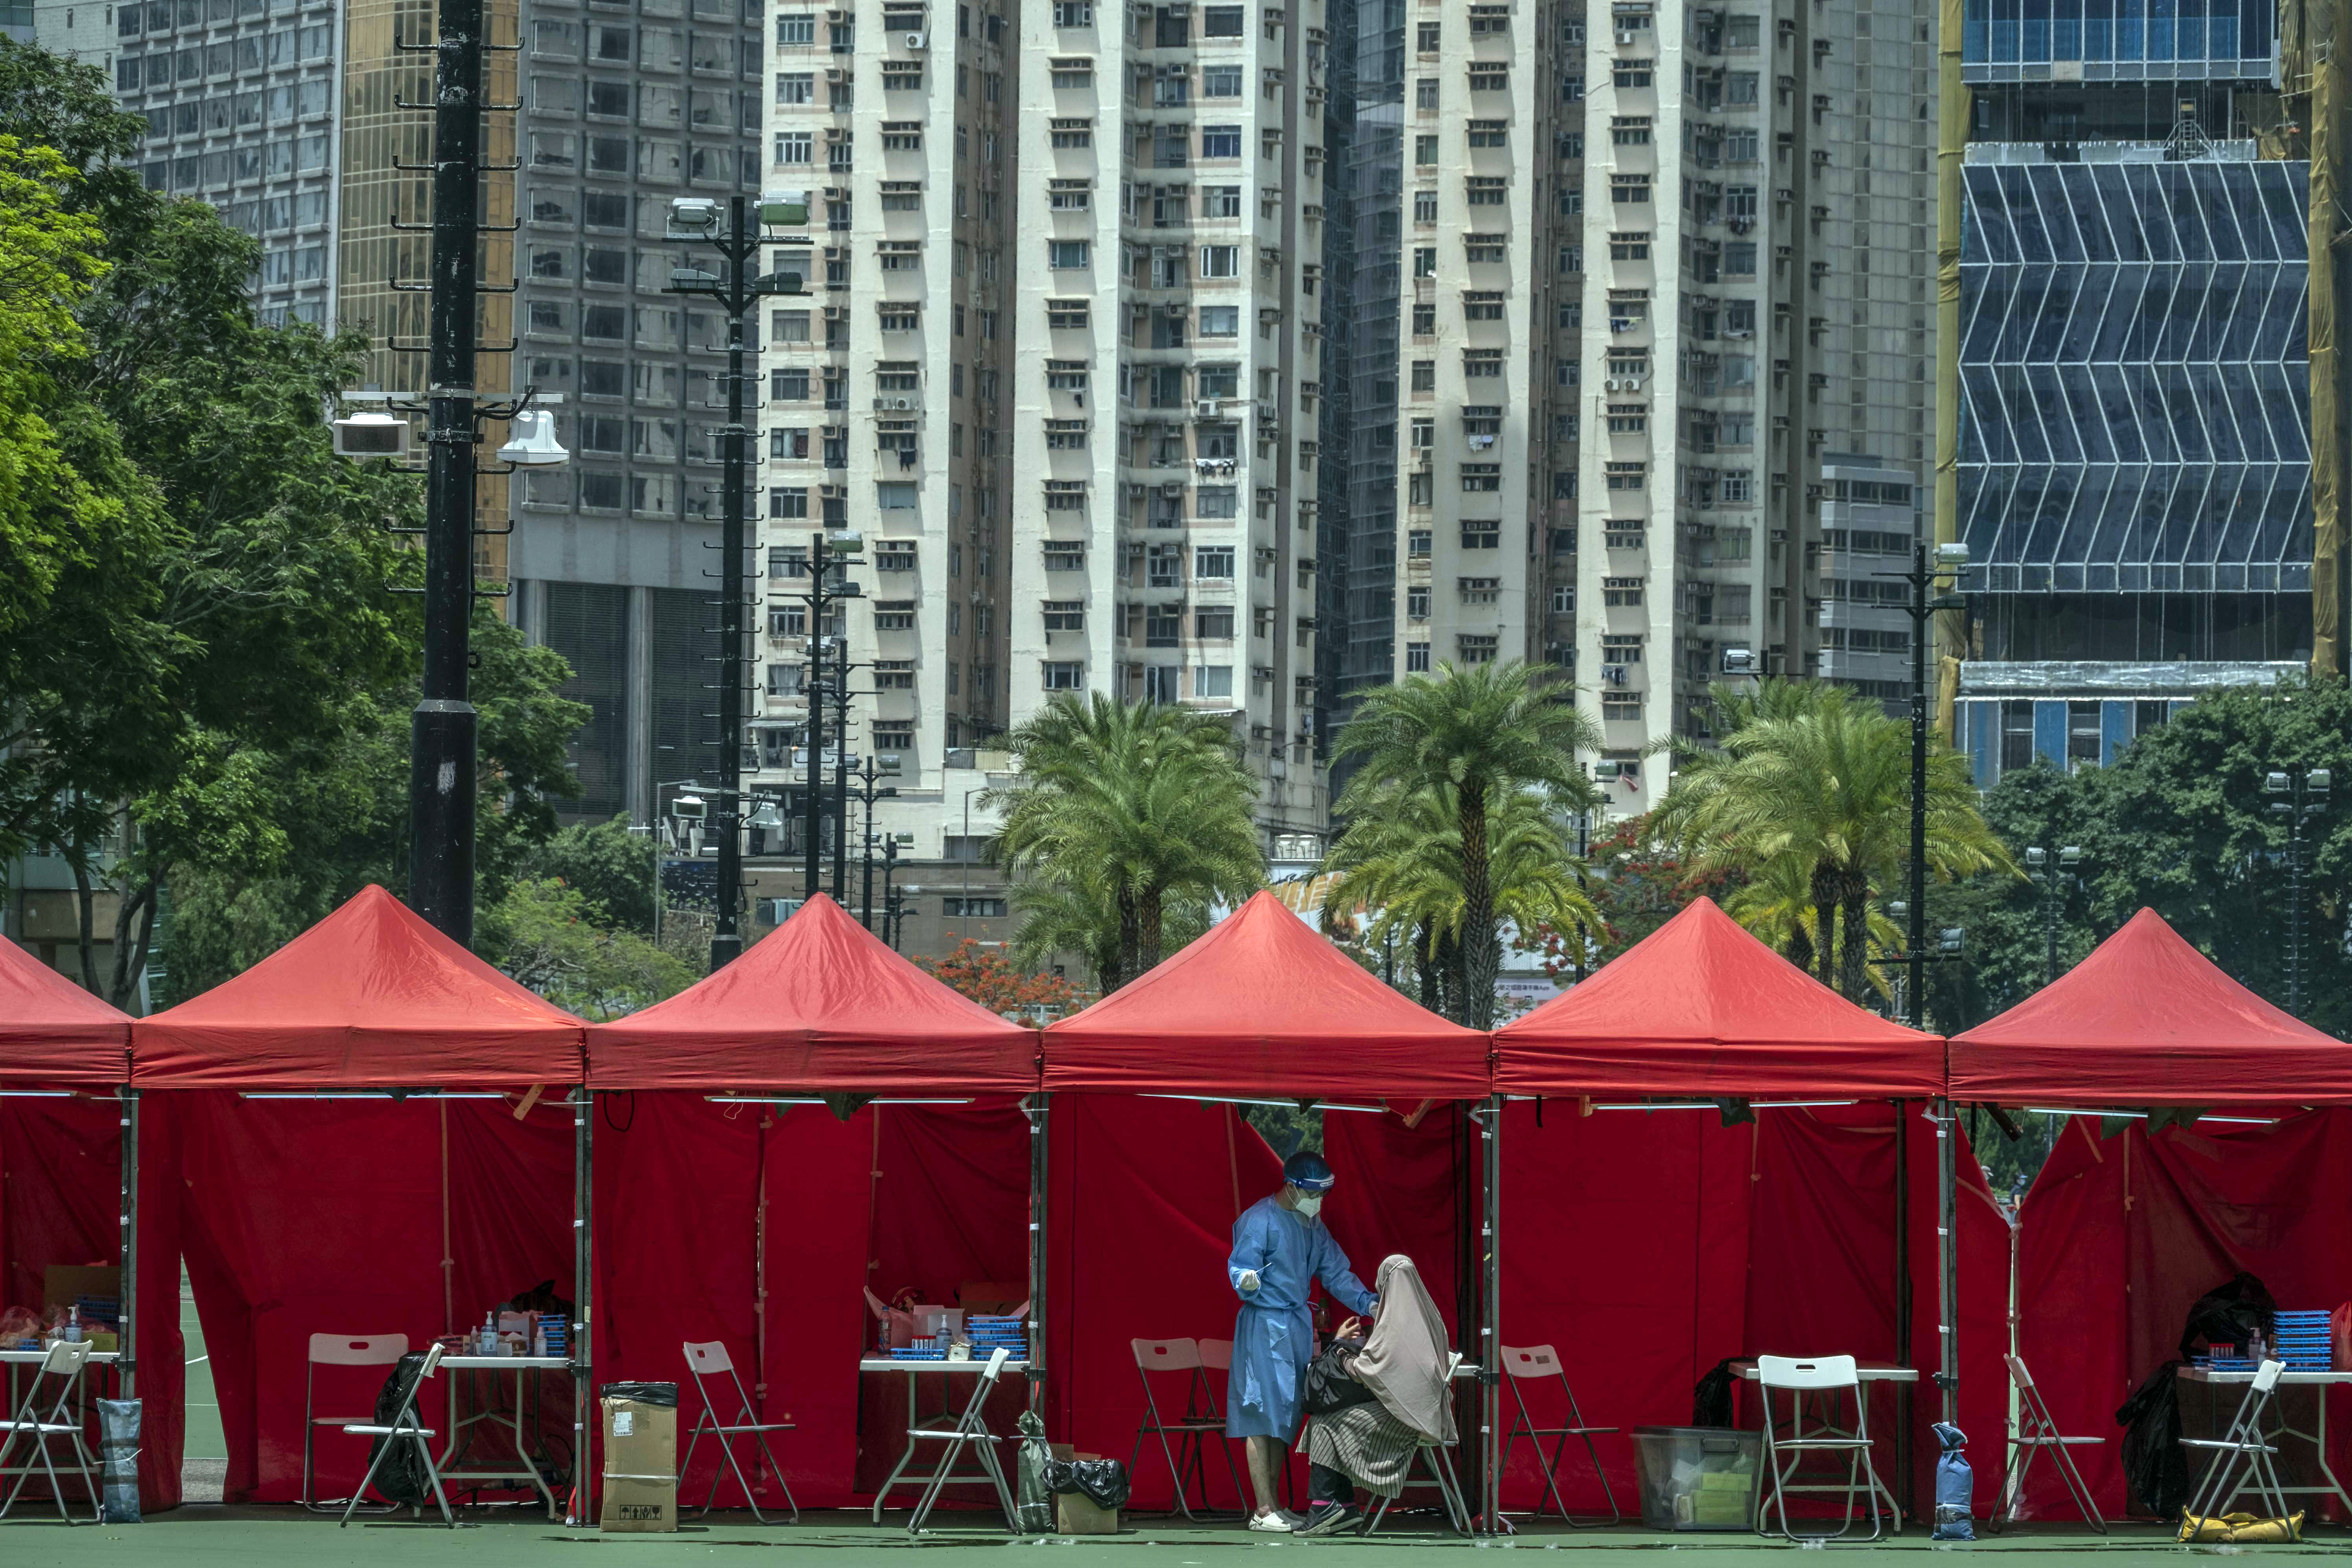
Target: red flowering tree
<point>990,978</point>
<point>1637,887</point>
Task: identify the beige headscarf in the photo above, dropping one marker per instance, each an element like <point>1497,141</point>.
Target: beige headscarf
<point>1404,1360</point>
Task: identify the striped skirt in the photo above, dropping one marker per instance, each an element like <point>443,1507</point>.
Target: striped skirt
<point>1366,1444</point>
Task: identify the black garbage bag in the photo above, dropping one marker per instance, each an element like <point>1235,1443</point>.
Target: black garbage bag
<point>401,1478</point>
<point>664,1395</point>
<point>1104,1481</point>
<point>1711,1396</point>
<point>1034,1507</point>
<point>2229,1315</point>
<point>2154,1465</point>
<point>118,1449</point>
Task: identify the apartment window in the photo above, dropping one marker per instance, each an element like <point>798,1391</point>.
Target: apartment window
<point>1065,434</point>
<point>1630,130</point>
<point>1069,196</point>
<point>1629,247</point>
<point>787,502</point>
<point>1629,190</point>
<point>1425,321</point>
<point>1212,680</point>
<point>1063,675</point>
<point>1214,560</point>
<point>1476,476</point>
<point>1424,207</point>
<point>1489,77</point>
<point>1424,151</point>
<point>1066,615</point>
<point>1626,475</point>
<point>1066,315</point>
<point>1221,201</point>
<point>1213,626</point>
<point>1482,305</point>
<point>1476,647</point>
<point>1221,22</point>
<point>792,88</point>
<point>1631,73</point>
<point>1066,255</point>
<point>901,136</point>
<point>1482,361</point>
<point>795,29</point>
<point>1221,261</point>
<point>1416,658</point>
<point>795,146</point>
<point>2016,735</point>
<point>894,615</point>
<point>1074,13</point>
<point>1073,134</point>
<point>1486,192</point>
<point>1424,93</point>
<point>1066,375</point>
<point>1424,39</point>
<point>1621,593</point>
<point>1489,133</point>
<point>1479,590</point>
<point>1221,141</point>
<point>1628,418</point>
<point>1073,73</point>
<point>1060,557</point>
<point>894,495</point>
<point>1484,247</point>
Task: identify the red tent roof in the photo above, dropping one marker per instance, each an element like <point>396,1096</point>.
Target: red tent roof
<point>2148,1019</point>
<point>369,997</point>
<point>54,1034</point>
<point>1263,1005</point>
<point>820,1003</point>
<point>1700,1007</point>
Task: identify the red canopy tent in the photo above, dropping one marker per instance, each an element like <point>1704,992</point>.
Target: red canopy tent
<point>1815,1204</point>
<point>358,1145</point>
<point>2148,1019</point>
<point>1263,1005</point>
<point>711,1123</point>
<point>67,1171</point>
<point>1700,1007</point>
<point>2124,1229</point>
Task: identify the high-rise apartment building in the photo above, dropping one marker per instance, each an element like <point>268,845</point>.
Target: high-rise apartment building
<point>1661,342</point>
<point>2135,460</point>
<point>1061,370</point>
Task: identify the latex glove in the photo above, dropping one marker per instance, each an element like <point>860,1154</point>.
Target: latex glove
<point>1247,1283</point>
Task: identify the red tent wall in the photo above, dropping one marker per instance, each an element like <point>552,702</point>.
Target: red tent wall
<point>1144,1193</point>
<point>2119,1235</point>
<point>1645,1248</point>
<point>309,1215</point>
<point>60,1194</point>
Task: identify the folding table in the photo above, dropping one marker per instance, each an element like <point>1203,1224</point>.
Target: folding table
<point>2318,1437</point>
<point>109,1361</point>
<point>1866,1372</point>
<point>522,1424</point>
<point>916,1371</point>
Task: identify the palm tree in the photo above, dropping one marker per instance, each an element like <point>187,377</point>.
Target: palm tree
<point>1813,787</point>
<point>1474,735</point>
<point>1082,917</point>
<point>1401,859</point>
<point>1147,802</point>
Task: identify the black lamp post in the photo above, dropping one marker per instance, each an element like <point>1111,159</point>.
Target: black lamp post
<point>830,557</point>
<point>696,220</point>
<point>2054,877</point>
<point>873,769</point>
<point>2299,801</point>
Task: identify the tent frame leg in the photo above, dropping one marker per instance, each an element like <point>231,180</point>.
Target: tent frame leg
<point>582,1511</point>
<point>126,1371</point>
<point>1487,1517</point>
<point>1038,1109</point>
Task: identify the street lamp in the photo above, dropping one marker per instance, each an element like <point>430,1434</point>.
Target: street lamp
<point>873,768</point>
<point>2300,800</point>
<point>890,893</point>
<point>830,558</point>
<point>696,220</point>
<point>2054,878</point>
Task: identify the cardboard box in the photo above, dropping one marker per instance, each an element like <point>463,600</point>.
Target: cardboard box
<point>640,1489</point>
<point>63,1284</point>
<point>1075,1513</point>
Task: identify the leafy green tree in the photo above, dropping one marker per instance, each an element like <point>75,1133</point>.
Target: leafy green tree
<point>2178,824</point>
<point>1822,780</point>
<point>608,865</point>
<point>1147,802</point>
<point>552,938</point>
<point>1400,855</point>
<point>1478,736</point>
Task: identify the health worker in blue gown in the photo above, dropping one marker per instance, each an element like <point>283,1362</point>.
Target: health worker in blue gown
<point>1279,1249</point>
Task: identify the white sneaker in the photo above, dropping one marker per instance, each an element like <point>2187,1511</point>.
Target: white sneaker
<point>1274,1521</point>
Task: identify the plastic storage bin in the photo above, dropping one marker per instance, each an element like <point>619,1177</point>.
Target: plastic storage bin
<point>1696,1478</point>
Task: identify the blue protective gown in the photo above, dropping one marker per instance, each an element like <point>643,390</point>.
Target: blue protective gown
<point>1274,1336</point>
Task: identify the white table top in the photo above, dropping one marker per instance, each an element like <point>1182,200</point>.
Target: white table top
<point>1865,1373</point>
<point>35,1358</point>
<point>977,1364</point>
<point>2206,1374</point>
<point>500,1362</point>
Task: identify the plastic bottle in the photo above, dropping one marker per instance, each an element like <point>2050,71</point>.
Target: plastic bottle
<point>71,1333</point>
<point>490,1341</point>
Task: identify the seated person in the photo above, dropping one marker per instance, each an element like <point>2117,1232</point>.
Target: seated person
<point>1369,1446</point>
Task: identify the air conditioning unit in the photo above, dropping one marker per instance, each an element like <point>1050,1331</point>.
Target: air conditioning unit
<point>1206,408</point>
<point>776,911</point>
<point>916,40</point>
<point>1617,384</point>
<point>1740,661</point>
<point>899,403</point>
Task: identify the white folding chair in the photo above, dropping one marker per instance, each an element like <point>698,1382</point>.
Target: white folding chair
<point>340,1350</point>
<point>405,1427</point>
<point>2037,1434</point>
<point>1200,1422</point>
<point>1438,1460</point>
<point>1826,1377</point>
<point>1540,1363</point>
<point>41,1420</point>
<point>969,1431</point>
<point>2244,1440</point>
<point>709,1360</point>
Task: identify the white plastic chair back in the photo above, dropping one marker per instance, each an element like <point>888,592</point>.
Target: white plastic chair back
<point>708,1358</point>
<point>1818,1373</point>
<point>357,1350</point>
<point>2266,1376</point>
<point>1166,1355</point>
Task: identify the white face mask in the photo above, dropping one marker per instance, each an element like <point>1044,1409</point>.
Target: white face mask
<point>1307,1204</point>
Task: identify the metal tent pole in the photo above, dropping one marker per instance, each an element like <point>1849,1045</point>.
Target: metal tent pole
<point>126,1333</point>
<point>1040,1106</point>
<point>1490,1325</point>
<point>581,1349</point>
<point>1947,1263</point>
